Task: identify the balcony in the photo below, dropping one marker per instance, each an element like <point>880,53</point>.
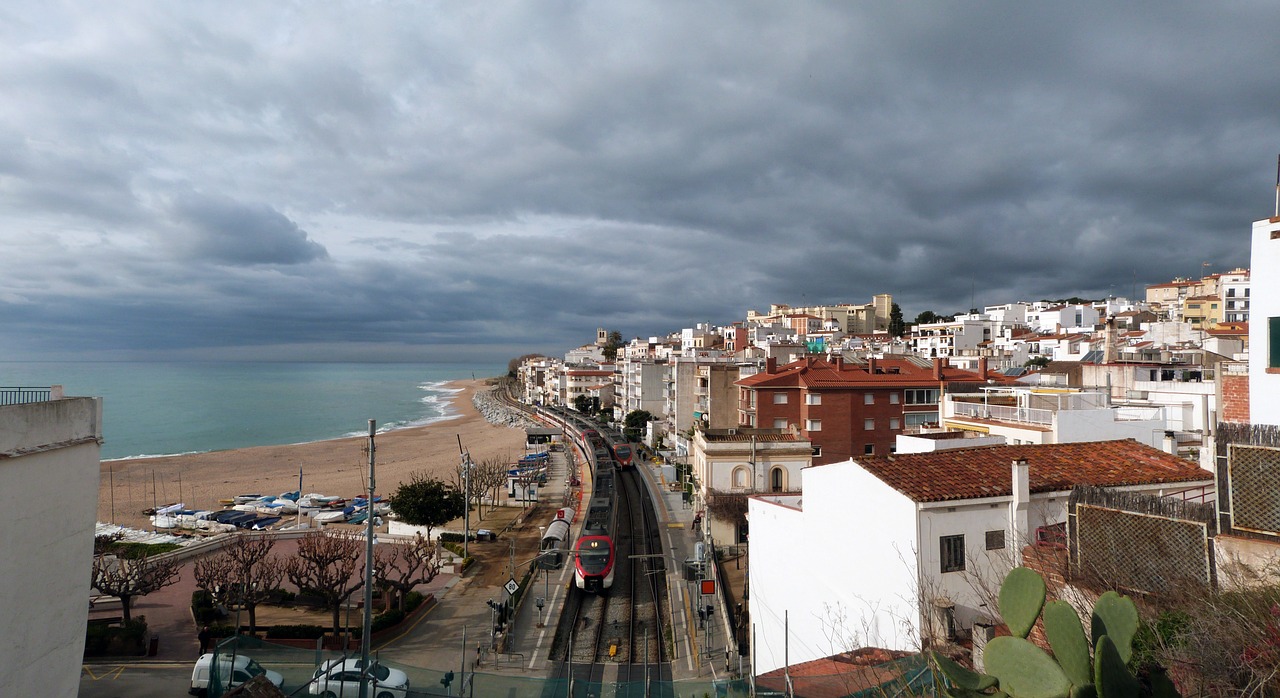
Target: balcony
<point>1022,415</point>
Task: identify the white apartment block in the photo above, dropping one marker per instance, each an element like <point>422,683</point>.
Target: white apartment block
<point>943,339</point>
<point>1233,289</point>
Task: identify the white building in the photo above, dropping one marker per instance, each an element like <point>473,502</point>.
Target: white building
<point>885,551</point>
<point>738,462</point>
<point>1264,325</point>
<point>1035,415</point>
<point>49,456</point>
<point>1233,287</point>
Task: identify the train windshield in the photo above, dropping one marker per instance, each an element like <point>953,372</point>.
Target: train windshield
<point>622,451</point>
<point>593,556</point>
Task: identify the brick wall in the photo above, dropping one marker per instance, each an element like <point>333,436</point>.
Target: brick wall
<point>1235,397</point>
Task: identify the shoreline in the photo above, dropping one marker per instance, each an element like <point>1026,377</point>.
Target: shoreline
<point>337,466</point>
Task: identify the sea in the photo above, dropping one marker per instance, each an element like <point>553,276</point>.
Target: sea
<point>156,409</point>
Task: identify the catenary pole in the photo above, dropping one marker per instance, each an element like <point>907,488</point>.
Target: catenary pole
<point>366,631</point>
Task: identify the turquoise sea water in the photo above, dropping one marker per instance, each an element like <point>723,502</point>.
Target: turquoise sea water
<point>152,409</point>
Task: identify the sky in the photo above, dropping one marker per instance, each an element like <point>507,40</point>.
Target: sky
<point>420,181</point>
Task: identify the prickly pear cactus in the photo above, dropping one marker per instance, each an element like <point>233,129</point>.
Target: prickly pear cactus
<point>1078,667</point>
<point>1021,598</point>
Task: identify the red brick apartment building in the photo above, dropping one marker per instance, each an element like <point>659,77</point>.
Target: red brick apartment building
<point>848,410</point>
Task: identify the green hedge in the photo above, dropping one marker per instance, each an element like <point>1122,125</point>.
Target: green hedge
<point>106,641</point>
<point>296,632</point>
<point>134,551</point>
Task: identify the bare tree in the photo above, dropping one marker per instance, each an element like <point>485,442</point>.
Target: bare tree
<point>129,579</point>
<point>485,478</point>
<point>490,475</point>
<point>400,567</point>
<point>243,574</point>
<point>325,566</point>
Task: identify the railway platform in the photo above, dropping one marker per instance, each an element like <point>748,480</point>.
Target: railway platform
<point>459,631</point>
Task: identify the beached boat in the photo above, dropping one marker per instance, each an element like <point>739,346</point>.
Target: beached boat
<point>331,517</point>
<point>243,498</point>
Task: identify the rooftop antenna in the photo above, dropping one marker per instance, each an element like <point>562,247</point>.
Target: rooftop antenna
<point>1277,213</point>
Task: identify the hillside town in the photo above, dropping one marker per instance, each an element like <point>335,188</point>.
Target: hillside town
<point>886,475</point>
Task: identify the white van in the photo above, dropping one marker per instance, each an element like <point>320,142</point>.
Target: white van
<point>245,669</point>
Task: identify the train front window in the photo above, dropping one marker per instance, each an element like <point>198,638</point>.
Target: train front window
<point>593,556</point>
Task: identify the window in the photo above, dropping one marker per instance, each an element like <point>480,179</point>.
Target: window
<point>922,396</point>
<point>1273,348</point>
<point>869,424</point>
<point>893,398</point>
<point>780,424</point>
<point>779,398</point>
<point>776,480</point>
<point>895,423</point>
<point>995,540</point>
<point>869,450</point>
<point>813,399</point>
<point>868,398</point>
<point>951,552</point>
<point>813,425</point>
<point>739,477</point>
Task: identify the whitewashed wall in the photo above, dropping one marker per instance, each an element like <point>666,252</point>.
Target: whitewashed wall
<point>841,572</point>
<point>1264,388</point>
<point>49,493</point>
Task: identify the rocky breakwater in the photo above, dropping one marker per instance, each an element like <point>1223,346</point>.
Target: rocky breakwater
<point>497,412</point>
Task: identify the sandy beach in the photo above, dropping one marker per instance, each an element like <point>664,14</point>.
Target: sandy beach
<point>336,467</point>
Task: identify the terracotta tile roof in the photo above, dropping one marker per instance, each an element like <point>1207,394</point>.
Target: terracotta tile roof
<point>985,472</point>
<point>865,669</point>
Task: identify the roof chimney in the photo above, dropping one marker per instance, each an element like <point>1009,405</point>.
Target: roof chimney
<point>838,360</point>
<point>871,364</point>
<point>937,369</point>
<point>1019,521</point>
<point>771,365</point>
<point>1109,342</point>
<point>982,367</point>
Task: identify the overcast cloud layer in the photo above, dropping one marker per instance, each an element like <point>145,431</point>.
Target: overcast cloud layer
<point>421,181</point>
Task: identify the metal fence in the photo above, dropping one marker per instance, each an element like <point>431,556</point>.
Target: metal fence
<point>22,396</point>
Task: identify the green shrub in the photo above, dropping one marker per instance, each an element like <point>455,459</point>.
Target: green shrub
<point>133,551</point>
<point>296,632</point>
<point>127,639</point>
<point>412,601</point>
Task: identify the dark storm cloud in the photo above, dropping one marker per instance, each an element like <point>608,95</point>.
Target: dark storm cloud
<point>353,179</point>
<point>227,232</point>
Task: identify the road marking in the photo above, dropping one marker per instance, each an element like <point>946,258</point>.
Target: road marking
<point>113,673</point>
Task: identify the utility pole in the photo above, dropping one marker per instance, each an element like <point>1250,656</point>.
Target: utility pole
<point>366,633</point>
<point>466,496</point>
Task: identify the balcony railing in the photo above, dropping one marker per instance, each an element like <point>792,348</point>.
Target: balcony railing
<point>22,396</point>
<point>1025,415</point>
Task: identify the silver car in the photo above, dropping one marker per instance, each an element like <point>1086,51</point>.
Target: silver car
<point>340,678</point>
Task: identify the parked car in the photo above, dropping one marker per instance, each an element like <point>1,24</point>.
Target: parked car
<point>340,678</point>
<point>245,669</point>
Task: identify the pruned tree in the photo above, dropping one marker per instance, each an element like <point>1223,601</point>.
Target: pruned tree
<point>428,501</point>
<point>326,566</point>
<point>490,475</point>
<point>398,568</point>
<point>244,574</point>
<point>129,579</point>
